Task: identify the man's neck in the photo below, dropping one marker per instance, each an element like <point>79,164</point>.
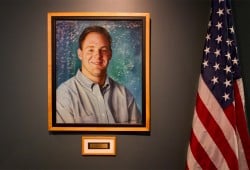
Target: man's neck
<point>96,79</point>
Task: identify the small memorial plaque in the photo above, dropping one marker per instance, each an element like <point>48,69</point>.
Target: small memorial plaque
<point>98,145</point>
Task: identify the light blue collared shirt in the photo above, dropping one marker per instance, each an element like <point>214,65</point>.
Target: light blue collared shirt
<point>79,100</point>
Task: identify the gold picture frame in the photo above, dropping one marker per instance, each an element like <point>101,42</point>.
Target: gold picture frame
<point>98,145</point>
<point>64,27</point>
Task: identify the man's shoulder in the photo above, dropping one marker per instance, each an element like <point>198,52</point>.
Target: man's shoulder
<point>67,85</point>
<point>115,85</point>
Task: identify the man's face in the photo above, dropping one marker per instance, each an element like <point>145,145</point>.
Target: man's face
<point>95,55</point>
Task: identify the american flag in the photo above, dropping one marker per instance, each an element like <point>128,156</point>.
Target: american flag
<point>219,137</point>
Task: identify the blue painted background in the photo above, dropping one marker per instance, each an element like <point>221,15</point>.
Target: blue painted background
<point>126,64</point>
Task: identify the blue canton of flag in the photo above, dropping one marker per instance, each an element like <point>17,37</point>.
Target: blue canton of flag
<point>220,65</point>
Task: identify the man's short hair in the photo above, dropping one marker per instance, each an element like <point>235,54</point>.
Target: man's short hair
<point>97,29</point>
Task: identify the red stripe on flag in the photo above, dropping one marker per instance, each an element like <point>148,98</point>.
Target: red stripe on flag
<point>216,133</point>
<point>230,114</point>
<point>241,123</point>
<point>200,154</point>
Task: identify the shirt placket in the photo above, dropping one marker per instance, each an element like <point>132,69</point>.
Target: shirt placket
<point>106,96</point>
<point>102,114</point>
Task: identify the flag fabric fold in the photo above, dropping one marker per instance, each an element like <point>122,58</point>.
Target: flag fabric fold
<point>219,136</point>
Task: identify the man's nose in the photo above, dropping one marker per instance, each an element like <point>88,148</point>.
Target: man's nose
<point>97,54</point>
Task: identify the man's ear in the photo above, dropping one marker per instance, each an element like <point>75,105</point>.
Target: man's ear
<point>79,53</point>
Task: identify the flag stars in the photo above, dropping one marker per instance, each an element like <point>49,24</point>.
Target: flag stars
<point>205,63</point>
<point>220,12</point>
<point>228,69</point>
<point>228,55</point>
<point>207,50</point>
<point>208,37</point>
<point>231,29</point>
<point>215,80</point>
<point>228,11</point>
<point>227,83</point>
<point>226,96</point>
<point>229,42</point>
<point>217,52</point>
<point>235,61</point>
<point>219,25</point>
<point>218,39</point>
<point>216,66</point>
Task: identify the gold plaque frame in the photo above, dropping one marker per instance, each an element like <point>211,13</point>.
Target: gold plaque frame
<point>101,145</point>
<point>53,17</point>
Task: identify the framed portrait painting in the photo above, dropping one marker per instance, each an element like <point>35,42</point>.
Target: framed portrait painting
<point>98,71</point>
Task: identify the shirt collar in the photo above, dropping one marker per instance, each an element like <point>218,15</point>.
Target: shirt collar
<point>88,83</point>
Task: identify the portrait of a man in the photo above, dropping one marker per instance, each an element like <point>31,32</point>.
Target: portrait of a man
<point>98,71</point>
<point>91,96</point>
